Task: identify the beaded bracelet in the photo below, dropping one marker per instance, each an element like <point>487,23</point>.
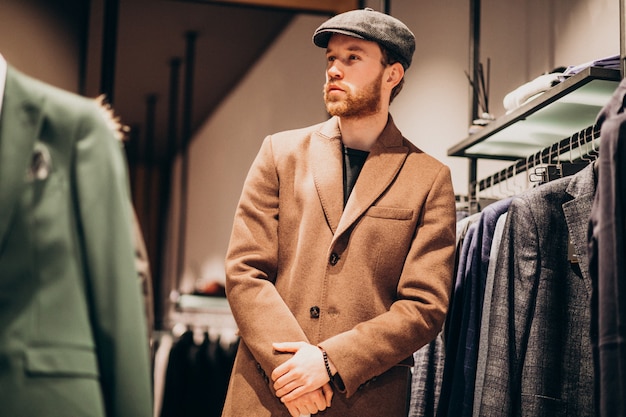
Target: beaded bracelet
<point>326,364</point>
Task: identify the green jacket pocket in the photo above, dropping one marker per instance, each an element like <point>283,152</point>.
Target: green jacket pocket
<point>61,361</point>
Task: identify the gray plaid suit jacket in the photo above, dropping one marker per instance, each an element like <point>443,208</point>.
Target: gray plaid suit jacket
<point>540,361</point>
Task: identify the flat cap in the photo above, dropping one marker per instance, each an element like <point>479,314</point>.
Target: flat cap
<point>370,25</point>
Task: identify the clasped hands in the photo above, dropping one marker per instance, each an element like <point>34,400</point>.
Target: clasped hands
<point>302,382</point>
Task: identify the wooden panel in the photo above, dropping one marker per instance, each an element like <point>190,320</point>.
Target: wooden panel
<point>323,6</point>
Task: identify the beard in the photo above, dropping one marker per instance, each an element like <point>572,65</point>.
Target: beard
<point>354,104</point>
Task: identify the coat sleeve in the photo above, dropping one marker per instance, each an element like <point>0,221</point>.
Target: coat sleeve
<point>251,265</point>
<point>105,226</point>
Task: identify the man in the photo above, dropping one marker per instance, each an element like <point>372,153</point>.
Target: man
<point>334,282</point>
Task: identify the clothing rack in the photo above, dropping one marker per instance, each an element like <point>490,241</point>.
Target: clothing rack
<point>463,148</point>
<point>194,358</point>
<point>202,313</point>
<point>552,156</point>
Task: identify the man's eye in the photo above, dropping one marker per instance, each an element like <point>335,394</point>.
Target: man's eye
<point>354,57</point>
<point>331,58</point>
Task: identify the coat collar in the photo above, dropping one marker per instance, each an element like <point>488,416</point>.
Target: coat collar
<point>20,124</point>
<point>381,167</point>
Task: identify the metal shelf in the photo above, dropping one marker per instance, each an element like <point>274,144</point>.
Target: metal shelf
<point>566,108</point>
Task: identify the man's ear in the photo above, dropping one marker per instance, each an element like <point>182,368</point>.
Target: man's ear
<point>395,74</point>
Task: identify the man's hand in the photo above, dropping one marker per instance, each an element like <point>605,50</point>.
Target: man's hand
<point>303,373</point>
<point>310,403</point>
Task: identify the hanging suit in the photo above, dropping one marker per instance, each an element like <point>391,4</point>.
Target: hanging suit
<point>73,337</point>
<point>539,359</point>
<point>457,390</point>
<point>607,261</point>
<point>483,337</point>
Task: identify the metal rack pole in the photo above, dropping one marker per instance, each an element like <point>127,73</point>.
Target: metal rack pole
<point>622,37</point>
<point>474,58</point>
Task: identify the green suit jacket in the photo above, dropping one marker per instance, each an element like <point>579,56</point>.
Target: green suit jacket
<point>72,330</point>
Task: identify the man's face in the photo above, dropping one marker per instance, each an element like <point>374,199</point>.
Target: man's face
<point>353,77</point>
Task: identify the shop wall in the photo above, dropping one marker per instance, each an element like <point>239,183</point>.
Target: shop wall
<point>283,91</point>
<point>45,39</point>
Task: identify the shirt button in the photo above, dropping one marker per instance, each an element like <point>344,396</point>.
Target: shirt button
<point>334,258</point>
<point>315,312</point>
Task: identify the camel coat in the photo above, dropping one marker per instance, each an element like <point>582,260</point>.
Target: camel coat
<point>370,283</point>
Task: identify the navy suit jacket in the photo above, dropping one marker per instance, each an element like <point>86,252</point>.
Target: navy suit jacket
<point>457,391</point>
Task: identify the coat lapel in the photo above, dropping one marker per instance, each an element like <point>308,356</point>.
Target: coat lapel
<point>577,212</point>
<point>327,166</point>
<point>380,169</point>
<point>20,122</point>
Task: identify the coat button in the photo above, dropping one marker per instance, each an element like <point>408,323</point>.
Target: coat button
<point>334,258</point>
<point>315,312</point>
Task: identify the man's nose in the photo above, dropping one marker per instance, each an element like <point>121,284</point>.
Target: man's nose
<point>334,71</point>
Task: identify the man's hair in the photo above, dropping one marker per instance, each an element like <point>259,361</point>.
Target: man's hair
<point>389,58</point>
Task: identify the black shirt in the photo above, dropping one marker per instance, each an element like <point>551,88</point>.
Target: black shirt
<point>353,160</point>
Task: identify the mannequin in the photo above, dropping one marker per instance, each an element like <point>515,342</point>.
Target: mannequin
<point>73,336</point>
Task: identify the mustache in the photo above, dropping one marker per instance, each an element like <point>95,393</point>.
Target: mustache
<point>334,84</point>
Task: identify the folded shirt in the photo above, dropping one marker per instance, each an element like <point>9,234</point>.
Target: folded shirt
<point>612,61</point>
<point>530,90</point>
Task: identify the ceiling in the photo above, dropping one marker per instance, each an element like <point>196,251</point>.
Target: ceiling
<point>152,35</point>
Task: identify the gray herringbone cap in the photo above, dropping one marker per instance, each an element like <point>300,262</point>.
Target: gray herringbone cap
<point>370,25</point>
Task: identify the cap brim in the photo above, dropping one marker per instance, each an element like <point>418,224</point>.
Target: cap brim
<point>322,37</point>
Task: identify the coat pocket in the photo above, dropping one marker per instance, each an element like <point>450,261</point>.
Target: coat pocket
<point>61,361</point>
<point>390,213</point>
